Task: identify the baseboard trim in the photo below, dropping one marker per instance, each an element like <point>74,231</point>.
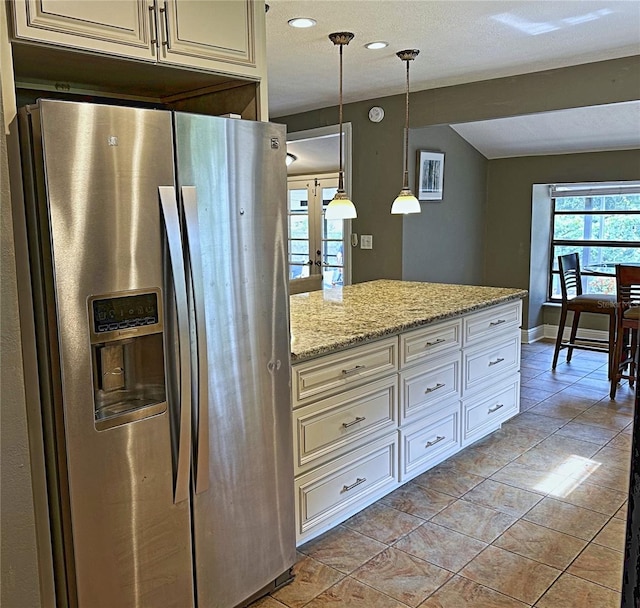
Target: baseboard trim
<point>551,331</point>
<point>528,336</point>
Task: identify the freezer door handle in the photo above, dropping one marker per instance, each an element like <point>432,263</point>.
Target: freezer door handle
<point>189,204</point>
<point>169,206</point>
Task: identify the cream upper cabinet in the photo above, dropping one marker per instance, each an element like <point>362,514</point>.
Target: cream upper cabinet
<point>196,33</point>
<point>123,28</point>
<point>219,35</point>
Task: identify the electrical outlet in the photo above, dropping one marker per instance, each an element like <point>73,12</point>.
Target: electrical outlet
<point>366,241</point>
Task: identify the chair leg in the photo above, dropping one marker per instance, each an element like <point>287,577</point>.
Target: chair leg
<point>634,356</point>
<point>556,352</point>
<point>574,331</point>
<point>612,343</point>
<point>617,358</point>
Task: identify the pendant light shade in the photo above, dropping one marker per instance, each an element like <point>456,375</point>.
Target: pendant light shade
<point>405,201</point>
<point>341,207</point>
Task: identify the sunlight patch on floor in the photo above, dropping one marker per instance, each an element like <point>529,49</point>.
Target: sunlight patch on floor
<point>574,471</point>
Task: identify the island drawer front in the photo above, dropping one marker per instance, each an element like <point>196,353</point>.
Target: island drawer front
<point>490,362</point>
<point>427,442</point>
<point>332,426</point>
<point>490,409</point>
<point>423,386</point>
<point>492,322</point>
<point>330,374</point>
<point>417,345</point>
<point>332,492</point>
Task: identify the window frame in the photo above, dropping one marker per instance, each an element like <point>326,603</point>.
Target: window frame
<point>586,190</point>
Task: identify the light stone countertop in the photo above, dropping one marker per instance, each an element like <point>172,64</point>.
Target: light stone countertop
<point>328,320</point>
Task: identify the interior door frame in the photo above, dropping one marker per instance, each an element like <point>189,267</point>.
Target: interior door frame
<point>328,131</point>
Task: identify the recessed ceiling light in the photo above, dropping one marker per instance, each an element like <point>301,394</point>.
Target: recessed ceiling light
<point>301,22</point>
<point>380,44</point>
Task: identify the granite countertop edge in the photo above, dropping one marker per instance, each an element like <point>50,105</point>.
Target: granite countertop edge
<point>394,329</point>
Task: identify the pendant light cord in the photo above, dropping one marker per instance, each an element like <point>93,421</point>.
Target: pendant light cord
<point>341,172</point>
<point>405,181</point>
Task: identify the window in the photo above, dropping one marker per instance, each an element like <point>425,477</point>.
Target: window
<point>316,245</point>
<point>601,222</point>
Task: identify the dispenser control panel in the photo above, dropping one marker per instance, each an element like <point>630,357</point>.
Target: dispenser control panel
<point>127,352</point>
<point>124,312</point>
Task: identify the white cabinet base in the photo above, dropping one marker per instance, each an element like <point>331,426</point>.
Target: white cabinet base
<point>370,418</point>
<point>334,492</point>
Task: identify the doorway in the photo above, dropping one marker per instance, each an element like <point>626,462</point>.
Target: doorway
<point>319,250</point>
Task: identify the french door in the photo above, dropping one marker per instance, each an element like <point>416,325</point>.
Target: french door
<point>316,245</point>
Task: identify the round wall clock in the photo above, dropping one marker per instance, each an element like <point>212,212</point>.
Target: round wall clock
<point>376,114</point>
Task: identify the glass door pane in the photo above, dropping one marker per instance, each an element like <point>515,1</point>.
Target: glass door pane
<point>299,244</point>
<point>332,240</point>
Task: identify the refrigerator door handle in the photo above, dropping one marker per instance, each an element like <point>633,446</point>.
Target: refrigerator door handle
<point>169,206</point>
<point>189,203</point>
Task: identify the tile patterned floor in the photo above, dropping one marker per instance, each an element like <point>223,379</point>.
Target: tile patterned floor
<point>533,515</point>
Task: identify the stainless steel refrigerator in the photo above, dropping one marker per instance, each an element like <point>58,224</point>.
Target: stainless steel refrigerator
<point>157,253</point>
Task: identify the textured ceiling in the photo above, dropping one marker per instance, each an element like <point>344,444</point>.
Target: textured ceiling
<point>592,129</point>
<point>459,41</point>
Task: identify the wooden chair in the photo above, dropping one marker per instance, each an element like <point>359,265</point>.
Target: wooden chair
<point>574,300</point>
<point>625,358</point>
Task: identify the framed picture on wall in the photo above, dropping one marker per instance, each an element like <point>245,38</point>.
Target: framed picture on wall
<point>430,175</point>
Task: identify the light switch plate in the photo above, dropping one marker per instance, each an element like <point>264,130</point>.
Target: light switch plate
<point>366,241</point>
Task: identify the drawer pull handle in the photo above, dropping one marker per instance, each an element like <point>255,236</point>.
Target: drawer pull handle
<point>353,370</point>
<point>438,439</point>
<point>495,408</point>
<point>438,341</point>
<point>346,425</point>
<point>357,482</point>
<point>498,322</point>
<point>434,388</point>
<point>498,360</point>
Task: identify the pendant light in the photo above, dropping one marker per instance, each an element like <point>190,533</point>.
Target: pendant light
<point>405,201</point>
<point>340,208</point>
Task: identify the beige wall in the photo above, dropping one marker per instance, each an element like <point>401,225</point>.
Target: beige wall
<point>375,181</point>
<point>445,242</point>
<point>18,551</point>
<point>507,256</point>
<point>377,161</point>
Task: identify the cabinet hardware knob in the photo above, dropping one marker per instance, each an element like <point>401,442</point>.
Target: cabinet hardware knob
<point>346,425</point>
<point>438,439</point>
<point>357,482</point>
<point>498,360</point>
<point>433,388</point>
<point>495,408</point>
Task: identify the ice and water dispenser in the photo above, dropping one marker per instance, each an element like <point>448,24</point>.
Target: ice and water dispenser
<point>128,357</point>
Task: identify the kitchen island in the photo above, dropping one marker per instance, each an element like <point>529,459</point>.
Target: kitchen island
<point>325,321</point>
<point>389,378</point>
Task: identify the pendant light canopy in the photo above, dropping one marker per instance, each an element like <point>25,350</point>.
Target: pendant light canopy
<point>405,201</point>
<point>340,208</point>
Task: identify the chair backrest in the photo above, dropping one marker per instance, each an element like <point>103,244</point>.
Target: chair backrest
<point>570,279</point>
<point>628,287</point>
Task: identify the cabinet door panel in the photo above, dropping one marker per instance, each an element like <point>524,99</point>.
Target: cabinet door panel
<point>209,31</point>
<point>102,25</point>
